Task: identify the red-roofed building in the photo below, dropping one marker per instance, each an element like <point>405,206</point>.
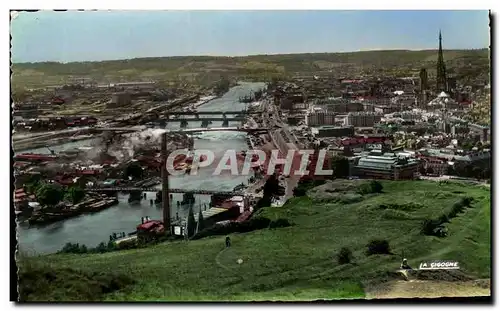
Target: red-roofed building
<point>149,228</point>
<point>57,100</point>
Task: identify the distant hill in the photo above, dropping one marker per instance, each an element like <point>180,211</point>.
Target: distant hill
<point>201,69</point>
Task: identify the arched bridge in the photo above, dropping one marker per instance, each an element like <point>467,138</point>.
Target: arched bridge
<point>198,119</point>
<point>171,190</point>
<point>191,130</point>
<point>192,113</point>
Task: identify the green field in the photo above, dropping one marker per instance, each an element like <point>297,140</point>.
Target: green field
<point>293,263</point>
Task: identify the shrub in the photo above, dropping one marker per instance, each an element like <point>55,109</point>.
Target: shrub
<point>370,187</point>
<point>299,191</point>
<point>131,244</point>
<point>378,247</point>
<point>74,248</point>
<point>467,201</point>
<point>376,186</point>
<point>344,256</point>
<point>428,226</point>
<point>433,227</point>
<point>279,223</point>
<point>443,218</point>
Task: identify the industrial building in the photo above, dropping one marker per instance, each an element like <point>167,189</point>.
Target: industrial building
<point>119,100</point>
<point>141,85</point>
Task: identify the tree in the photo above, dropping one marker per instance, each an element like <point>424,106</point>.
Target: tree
<point>134,170</point>
<point>299,191</point>
<point>450,170</point>
<point>430,170</point>
<point>222,86</point>
<point>201,224</point>
<point>271,186</point>
<point>467,145</point>
<point>487,173</point>
<point>75,194</point>
<point>376,186</point>
<point>191,223</point>
<point>422,170</point>
<point>344,256</point>
<point>340,167</point>
<point>378,247</point>
<point>477,172</point>
<point>49,194</point>
<point>32,183</point>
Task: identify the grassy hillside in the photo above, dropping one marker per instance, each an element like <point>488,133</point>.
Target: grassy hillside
<point>293,263</point>
<point>203,69</point>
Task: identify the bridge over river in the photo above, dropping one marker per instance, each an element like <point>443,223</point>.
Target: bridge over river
<point>193,113</point>
<point>200,119</point>
<point>171,190</point>
<point>190,130</point>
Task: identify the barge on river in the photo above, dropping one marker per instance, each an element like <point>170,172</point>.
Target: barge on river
<point>46,216</point>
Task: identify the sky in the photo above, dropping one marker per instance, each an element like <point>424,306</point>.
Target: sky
<point>106,35</point>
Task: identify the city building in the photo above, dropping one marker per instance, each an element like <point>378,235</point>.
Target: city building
<point>475,157</point>
<point>386,166</point>
<point>386,109</point>
<point>438,166</point>
<point>458,129</point>
<point>424,80</point>
<point>334,131</point>
<point>408,115</point>
<point>363,119</point>
<point>288,102</point>
<point>482,133</point>
<point>320,118</point>
<point>443,101</point>
<point>340,105</point>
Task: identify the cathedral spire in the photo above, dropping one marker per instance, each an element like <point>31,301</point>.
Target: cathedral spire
<point>441,81</point>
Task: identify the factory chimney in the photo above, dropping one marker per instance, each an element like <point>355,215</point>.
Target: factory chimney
<point>165,187</point>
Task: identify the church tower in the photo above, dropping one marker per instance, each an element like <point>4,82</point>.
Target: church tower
<point>441,81</point>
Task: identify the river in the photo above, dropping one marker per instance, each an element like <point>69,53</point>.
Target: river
<point>91,229</point>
